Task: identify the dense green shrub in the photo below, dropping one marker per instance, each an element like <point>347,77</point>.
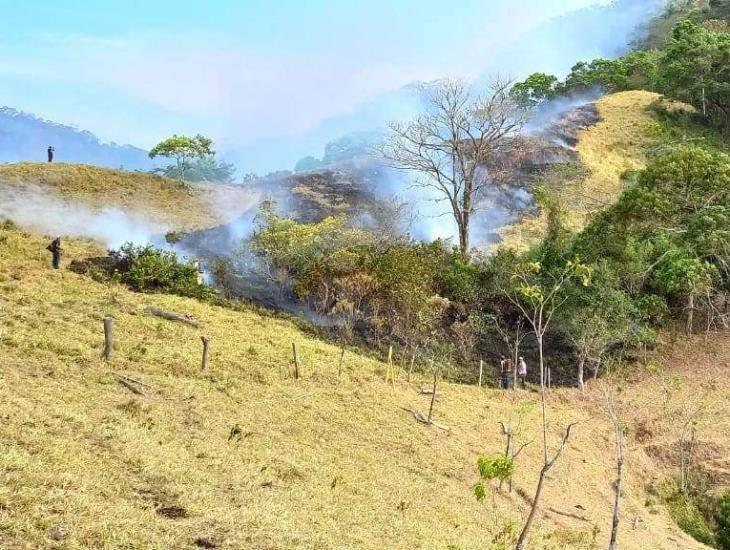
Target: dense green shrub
<point>148,269</point>
<point>687,515</point>
<point>388,288</point>
<point>722,518</point>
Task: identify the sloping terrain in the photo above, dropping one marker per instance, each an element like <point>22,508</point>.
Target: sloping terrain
<point>617,143</point>
<point>245,456</point>
<point>154,197</point>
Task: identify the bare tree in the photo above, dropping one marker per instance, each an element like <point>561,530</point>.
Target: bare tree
<point>458,144</point>
<point>538,297</point>
<point>592,330</point>
<point>510,432</point>
<point>547,465</point>
<point>612,409</point>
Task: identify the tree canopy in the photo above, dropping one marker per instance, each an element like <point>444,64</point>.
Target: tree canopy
<point>184,150</point>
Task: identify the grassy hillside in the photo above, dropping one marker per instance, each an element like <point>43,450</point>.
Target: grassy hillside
<point>607,150</point>
<point>244,456</point>
<point>194,206</point>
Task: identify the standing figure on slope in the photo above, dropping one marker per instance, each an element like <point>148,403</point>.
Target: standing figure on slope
<point>522,373</point>
<point>55,249</point>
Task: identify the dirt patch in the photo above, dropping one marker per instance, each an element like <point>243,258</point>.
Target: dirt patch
<point>172,512</point>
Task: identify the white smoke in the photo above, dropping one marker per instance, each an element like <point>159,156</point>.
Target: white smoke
<point>41,210</point>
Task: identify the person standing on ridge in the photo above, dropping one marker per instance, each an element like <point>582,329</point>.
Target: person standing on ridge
<point>55,249</point>
<point>522,372</point>
<point>51,150</point>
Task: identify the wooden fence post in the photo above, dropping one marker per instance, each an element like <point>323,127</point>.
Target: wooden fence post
<point>389,371</point>
<point>413,360</point>
<point>342,357</point>
<point>206,343</point>
<point>433,398</point>
<point>481,369</point>
<point>108,338</point>
<point>296,360</point>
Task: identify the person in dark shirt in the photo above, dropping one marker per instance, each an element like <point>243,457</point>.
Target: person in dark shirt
<point>55,249</point>
<point>506,368</point>
<point>51,150</point>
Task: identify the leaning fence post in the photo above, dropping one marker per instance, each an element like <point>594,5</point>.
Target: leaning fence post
<point>108,338</point>
<point>433,397</point>
<point>413,360</point>
<point>389,370</point>
<point>206,343</point>
<point>342,357</point>
<point>296,360</point>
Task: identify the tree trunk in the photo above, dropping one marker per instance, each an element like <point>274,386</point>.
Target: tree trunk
<point>464,239</point>
<point>613,545</point>
<point>526,529</point>
<point>581,366</point>
<point>542,362</point>
<point>690,313</point>
<point>542,394</point>
<point>514,362</point>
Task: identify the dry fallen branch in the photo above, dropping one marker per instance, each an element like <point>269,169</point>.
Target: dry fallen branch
<point>172,316</point>
<point>568,514</point>
<point>424,420</point>
<point>135,386</point>
<point>528,499</point>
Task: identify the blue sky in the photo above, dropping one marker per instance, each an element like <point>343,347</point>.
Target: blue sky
<point>243,70</point>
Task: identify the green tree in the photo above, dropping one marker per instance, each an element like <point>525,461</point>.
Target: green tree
<point>184,150</point>
<point>695,68</point>
<point>535,89</point>
<point>207,168</point>
<point>685,276</point>
<point>635,70</point>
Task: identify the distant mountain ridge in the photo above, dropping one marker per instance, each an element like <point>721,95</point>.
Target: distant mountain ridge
<point>26,137</point>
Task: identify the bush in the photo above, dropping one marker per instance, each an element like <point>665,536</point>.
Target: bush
<point>722,517</point>
<point>687,515</point>
<point>492,467</point>
<point>148,269</point>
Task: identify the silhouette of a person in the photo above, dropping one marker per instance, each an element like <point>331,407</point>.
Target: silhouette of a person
<point>51,150</point>
<point>55,249</point>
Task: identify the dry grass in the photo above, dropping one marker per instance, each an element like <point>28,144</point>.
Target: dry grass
<point>323,462</point>
<point>607,150</point>
<point>164,200</point>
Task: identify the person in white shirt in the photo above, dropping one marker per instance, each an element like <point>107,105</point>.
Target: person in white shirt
<point>522,372</point>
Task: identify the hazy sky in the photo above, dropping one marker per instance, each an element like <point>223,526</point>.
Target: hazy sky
<point>239,70</point>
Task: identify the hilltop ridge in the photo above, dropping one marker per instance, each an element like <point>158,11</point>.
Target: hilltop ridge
<point>25,136</point>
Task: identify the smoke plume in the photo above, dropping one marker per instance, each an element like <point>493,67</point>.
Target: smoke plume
<point>38,209</point>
